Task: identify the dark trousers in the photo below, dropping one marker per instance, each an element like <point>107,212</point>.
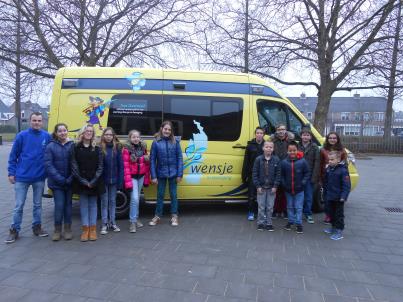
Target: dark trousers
<point>280,204</point>
<point>252,204</point>
<point>337,214</point>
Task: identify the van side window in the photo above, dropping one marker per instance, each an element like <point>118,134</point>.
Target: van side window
<point>135,111</point>
<point>220,117</point>
<point>272,113</point>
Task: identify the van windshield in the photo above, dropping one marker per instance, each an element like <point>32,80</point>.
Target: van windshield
<point>271,113</point>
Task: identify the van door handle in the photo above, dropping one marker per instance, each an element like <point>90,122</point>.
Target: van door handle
<point>239,146</point>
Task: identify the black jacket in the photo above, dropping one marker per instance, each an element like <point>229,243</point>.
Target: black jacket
<point>253,150</point>
<point>312,157</point>
<point>274,172</point>
<point>87,166</point>
<point>281,145</point>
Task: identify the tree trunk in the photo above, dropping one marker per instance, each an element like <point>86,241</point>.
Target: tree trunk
<point>392,80</point>
<point>246,38</point>
<point>322,108</point>
<point>17,102</point>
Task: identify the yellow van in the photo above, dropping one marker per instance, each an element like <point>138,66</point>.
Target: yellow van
<point>214,115</point>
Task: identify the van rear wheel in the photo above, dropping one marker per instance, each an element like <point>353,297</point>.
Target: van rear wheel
<point>122,204</point>
<point>318,205</point>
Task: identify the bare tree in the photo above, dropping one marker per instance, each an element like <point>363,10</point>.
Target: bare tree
<point>97,32</point>
<point>334,40</point>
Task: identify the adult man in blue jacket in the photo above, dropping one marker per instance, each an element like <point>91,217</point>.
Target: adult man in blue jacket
<point>26,168</point>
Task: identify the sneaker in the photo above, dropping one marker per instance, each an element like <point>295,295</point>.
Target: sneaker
<point>300,230</point>
<point>251,216</point>
<point>287,227</point>
<point>12,236</point>
<point>337,235</point>
<point>139,224</point>
<point>104,229</point>
<point>328,231</point>
<point>270,228</point>
<point>38,231</point>
<point>132,228</point>
<point>174,220</point>
<point>115,228</point>
<point>285,215</point>
<point>309,219</point>
<point>154,221</point>
<point>260,227</point>
<point>274,215</point>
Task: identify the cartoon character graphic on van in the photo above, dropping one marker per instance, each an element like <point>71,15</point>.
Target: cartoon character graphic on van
<point>194,154</point>
<point>136,80</point>
<point>96,110</point>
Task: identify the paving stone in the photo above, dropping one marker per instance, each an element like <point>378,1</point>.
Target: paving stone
<point>241,291</point>
<point>212,298</point>
<point>273,295</point>
<point>259,278</point>
<point>392,294</point>
<point>301,269</point>
<point>11,294</point>
<point>330,273</point>
<point>288,281</point>
<point>70,286</point>
<point>18,279</point>
<point>70,298</point>
<point>39,296</point>
<point>333,298</point>
<point>320,285</point>
<point>304,296</point>
<point>211,287</point>
<point>233,275</point>
<point>352,289</point>
<point>97,289</point>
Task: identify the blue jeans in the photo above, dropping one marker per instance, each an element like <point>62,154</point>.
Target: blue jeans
<point>63,205</point>
<point>135,198</point>
<point>308,198</point>
<point>88,209</point>
<point>161,192</point>
<point>21,189</point>
<point>108,204</point>
<point>295,204</point>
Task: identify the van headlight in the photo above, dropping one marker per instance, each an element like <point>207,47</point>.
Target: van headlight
<point>351,158</point>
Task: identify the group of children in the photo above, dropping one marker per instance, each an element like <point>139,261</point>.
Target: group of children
<point>94,170</point>
<point>282,167</point>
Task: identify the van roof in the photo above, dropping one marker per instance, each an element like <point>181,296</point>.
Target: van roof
<point>166,75</point>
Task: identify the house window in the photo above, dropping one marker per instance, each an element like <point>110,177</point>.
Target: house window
<point>352,130</point>
<point>379,116</point>
<point>22,114</point>
<point>357,116</point>
<point>309,115</point>
<point>366,116</point>
<point>344,116</point>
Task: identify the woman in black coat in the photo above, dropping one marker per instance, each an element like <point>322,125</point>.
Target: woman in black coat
<point>87,167</point>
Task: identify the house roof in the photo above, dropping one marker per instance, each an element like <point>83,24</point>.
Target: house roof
<point>343,104</point>
<point>29,106</point>
<point>3,110</point>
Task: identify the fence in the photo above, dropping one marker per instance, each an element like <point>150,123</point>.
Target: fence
<point>374,144</point>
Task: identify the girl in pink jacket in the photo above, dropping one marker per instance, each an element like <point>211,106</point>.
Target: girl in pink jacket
<point>136,163</point>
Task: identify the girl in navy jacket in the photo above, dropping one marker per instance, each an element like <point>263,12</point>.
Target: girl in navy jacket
<point>113,179</point>
<point>166,165</point>
<point>58,169</point>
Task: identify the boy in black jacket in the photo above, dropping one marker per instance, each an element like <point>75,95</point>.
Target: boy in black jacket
<point>266,178</point>
<point>253,150</point>
<point>336,186</point>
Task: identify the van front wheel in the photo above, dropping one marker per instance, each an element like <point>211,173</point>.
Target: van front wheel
<point>318,205</point>
<point>122,204</point>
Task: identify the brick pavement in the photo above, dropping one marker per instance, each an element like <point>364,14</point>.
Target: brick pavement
<point>216,254</point>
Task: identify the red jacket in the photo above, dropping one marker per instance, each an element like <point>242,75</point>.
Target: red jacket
<point>140,167</point>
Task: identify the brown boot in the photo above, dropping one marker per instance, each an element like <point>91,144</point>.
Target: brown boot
<point>68,234</point>
<point>85,233</point>
<point>57,234</point>
<point>93,233</point>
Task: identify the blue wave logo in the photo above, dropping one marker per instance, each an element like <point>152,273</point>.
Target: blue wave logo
<point>194,154</point>
<point>136,80</point>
